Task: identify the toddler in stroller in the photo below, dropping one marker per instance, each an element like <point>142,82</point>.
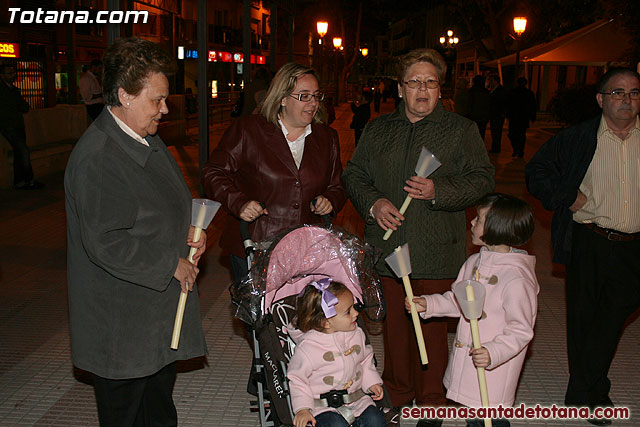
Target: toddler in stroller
<point>281,269</point>
<point>332,361</point>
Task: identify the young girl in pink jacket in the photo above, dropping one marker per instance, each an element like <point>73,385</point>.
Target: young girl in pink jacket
<point>510,305</point>
<point>331,361</point>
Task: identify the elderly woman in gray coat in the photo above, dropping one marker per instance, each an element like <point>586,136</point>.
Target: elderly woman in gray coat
<point>128,229</point>
<point>378,179</point>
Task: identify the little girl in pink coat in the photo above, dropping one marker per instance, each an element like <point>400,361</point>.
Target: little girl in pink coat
<point>331,357</point>
<point>510,306</point>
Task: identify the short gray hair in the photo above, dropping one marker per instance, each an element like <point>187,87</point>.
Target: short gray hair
<point>613,72</point>
<point>128,63</point>
<point>422,55</point>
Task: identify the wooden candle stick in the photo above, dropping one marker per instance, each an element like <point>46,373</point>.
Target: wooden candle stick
<point>475,334</point>
<point>402,268</point>
<point>427,164</point>
<point>203,211</point>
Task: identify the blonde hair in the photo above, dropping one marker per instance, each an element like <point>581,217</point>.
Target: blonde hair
<point>283,85</point>
<point>422,55</point>
<point>309,307</point>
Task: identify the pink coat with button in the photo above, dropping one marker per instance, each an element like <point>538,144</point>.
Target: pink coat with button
<point>324,362</point>
<point>510,305</point>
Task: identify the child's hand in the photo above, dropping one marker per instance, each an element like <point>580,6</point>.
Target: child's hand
<point>481,357</point>
<point>377,390</point>
<point>420,302</point>
<point>303,417</point>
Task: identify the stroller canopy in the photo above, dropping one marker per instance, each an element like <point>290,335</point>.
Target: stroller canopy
<point>304,255</point>
<point>311,253</point>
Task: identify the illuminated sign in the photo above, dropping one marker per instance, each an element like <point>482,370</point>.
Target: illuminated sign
<point>257,59</point>
<point>191,53</point>
<point>180,52</point>
<point>214,88</point>
<point>9,50</point>
<point>212,56</point>
<point>225,56</point>
<point>237,57</point>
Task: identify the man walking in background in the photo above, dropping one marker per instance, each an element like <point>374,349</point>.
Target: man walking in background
<point>12,108</point>
<point>91,89</point>
<point>498,110</point>
<point>479,104</point>
<point>521,110</point>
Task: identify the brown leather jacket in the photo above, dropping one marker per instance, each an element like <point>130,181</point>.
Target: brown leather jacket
<point>253,162</point>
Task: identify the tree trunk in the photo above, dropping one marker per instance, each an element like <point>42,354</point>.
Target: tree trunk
<point>346,70</point>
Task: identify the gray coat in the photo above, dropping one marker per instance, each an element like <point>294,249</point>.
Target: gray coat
<point>386,157</point>
<point>128,215</point>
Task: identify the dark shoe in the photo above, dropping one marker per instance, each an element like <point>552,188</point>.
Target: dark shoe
<point>391,416</point>
<point>31,185</point>
<point>429,423</point>
<point>604,402</point>
<point>600,422</point>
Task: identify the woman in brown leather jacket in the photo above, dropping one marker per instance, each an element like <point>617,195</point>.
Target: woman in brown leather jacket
<point>283,157</point>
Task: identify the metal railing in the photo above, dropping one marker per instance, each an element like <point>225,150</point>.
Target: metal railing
<point>219,108</point>
<point>30,79</point>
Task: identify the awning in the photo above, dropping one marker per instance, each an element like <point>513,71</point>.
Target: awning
<point>596,44</point>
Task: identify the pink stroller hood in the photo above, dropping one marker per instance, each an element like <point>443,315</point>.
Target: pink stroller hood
<point>314,253</point>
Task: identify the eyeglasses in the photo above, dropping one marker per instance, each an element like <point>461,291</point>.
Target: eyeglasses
<point>417,84</point>
<point>620,94</point>
<point>306,96</point>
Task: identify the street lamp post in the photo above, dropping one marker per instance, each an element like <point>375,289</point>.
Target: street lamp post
<point>363,64</point>
<point>449,43</point>
<point>519,27</point>
<point>337,44</point>
<point>322,28</point>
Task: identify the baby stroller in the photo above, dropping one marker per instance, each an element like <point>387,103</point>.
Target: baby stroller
<point>280,269</point>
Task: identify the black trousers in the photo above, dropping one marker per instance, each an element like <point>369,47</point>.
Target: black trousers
<point>137,402</point>
<point>603,289</point>
<point>17,138</point>
<point>496,133</point>
<point>482,127</point>
<point>517,136</point>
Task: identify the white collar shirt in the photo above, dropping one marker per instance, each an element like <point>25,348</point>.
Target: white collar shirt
<point>297,146</point>
<point>126,129</point>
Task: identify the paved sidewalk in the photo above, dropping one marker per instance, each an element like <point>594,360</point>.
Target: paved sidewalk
<point>39,386</point>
